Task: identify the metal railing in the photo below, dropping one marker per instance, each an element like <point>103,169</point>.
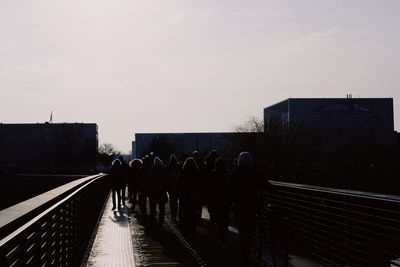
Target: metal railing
<point>59,235</point>
<point>338,227</point>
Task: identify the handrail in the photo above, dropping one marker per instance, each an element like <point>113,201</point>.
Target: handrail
<point>14,216</point>
<point>58,235</point>
<point>338,227</point>
<point>344,192</point>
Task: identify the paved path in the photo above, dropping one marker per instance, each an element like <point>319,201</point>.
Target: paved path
<point>113,243</point>
<point>122,240</point>
<point>167,246</point>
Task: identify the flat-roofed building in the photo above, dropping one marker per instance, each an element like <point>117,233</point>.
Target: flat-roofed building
<point>48,147</point>
<point>335,119</point>
<point>180,143</point>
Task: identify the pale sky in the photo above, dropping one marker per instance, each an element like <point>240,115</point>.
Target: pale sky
<point>185,66</point>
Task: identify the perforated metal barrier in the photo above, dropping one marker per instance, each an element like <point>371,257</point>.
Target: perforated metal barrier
<point>338,227</point>
<point>60,235</point>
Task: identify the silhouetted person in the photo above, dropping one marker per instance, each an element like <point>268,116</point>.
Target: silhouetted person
<point>125,178</point>
<point>189,197</point>
<point>133,182</point>
<point>234,164</point>
<point>173,170</point>
<point>219,196</point>
<point>143,186</point>
<point>209,166</point>
<point>158,191</point>
<point>202,180</point>
<point>184,157</point>
<point>244,184</point>
<point>116,173</point>
<point>197,158</point>
<point>210,160</point>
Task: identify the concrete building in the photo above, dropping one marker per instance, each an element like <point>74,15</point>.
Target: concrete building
<point>180,143</point>
<point>337,119</point>
<point>332,121</point>
<point>48,147</point>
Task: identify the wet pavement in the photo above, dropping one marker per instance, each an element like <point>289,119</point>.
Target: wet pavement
<point>122,239</point>
<point>113,243</point>
<point>166,246</point>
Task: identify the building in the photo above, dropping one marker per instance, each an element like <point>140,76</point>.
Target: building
<point>336,120</point>
<point>48,147</point>
<point>330,123</point>
<point>180,143</point>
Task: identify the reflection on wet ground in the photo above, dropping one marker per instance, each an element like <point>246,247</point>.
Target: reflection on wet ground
<point>113,243</point>
<point>167,246</point>
<point>116,244</point>
<point>123,240</point>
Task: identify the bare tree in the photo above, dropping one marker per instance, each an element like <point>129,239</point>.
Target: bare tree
<point>250,137</point>
<point>108,149</point>
<point>106,153</point>
<point>280,152</point>
<point>252,125</point>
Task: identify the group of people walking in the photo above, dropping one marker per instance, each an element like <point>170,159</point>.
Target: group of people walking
<point>188,185</point>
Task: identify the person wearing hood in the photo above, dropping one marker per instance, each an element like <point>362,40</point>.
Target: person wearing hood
<point>244,186</point>
<point>158,191</point>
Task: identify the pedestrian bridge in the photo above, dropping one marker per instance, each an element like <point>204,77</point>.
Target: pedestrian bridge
<point>298,225</point>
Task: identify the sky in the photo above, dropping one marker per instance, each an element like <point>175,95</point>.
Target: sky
<point>190,65</point>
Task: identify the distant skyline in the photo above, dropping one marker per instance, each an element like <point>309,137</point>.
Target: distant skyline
<point>187,66</point>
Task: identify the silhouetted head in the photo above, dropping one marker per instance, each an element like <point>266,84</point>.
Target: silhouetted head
<point>190,165</point>
<point>213,154</point>
<point>245,159</point>
<point>172,160</point>
<point>220,164</point>
<point>146,162</point>
<point>157,162</point>
<point>196,155</point>
<point>116,162</point>
<point>135,164</point>
<point>209,160</point>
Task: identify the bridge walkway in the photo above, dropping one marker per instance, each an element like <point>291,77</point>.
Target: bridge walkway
<point>122,240</point>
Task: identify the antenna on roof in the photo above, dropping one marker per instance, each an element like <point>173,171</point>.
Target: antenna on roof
<point>51,117</point>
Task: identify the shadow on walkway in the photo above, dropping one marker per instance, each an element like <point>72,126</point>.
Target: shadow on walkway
<point>123,240</point>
